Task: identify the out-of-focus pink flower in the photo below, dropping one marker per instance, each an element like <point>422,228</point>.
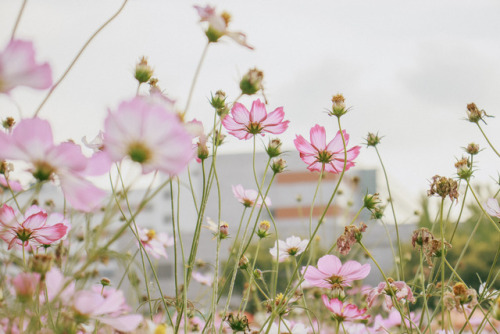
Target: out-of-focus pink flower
<point>32,141</point>
<point>25,285</point>
<point>290,247</point>
<point>205,279</point>
<point>332,273</point>
<point>109,308</point>
<point>14,185</point>
<point>55,284</point>
<point>492,207</point>
<point>244,124</point>
<point>155,243</point>
<point>383,325</point>
<point>399,289</point>
<point>289,327</point>
<point>218,24</point>
<point>18,68</point>
<point>149,134</point>
<point>36,226</point>
<point>249,197</point>
<point>344,312</point>
<point>318,154</point>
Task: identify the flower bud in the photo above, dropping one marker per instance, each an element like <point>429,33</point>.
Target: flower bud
<point>338,106</point>
<point>372,139</point>
<point>218,101</point>
<point>257,274</point>
<point>224,230</point>
<point>274,148</point>
<point>219,138</point>
<point>243,263</point>
<point>105,281</point>
<point>238,323</point>
<point>263,228</point>
<point>202,152</point>
<point>251,82</point>
<point>463,167</point>
<point>278,165</point>
<point>143,72</point>
<point>472,149</point>
<point>474,115</point>
<point>370,201</point>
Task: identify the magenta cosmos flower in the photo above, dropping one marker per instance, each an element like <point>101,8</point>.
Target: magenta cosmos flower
<point>248,197</point>
<point>18,68</point>
<point>244,124</point>
<point>148,134</point>
<point>35,227</point>
<point>344,312</point>
<point>332,273</point>
<point>32,141</point>
<point>318,154</point>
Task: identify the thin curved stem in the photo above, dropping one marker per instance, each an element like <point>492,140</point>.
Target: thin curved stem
<point>53,88</point>
<point>195,78</point>
<point>18,19</point>
<point>486,137</point>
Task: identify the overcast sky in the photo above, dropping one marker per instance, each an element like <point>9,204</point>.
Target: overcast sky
<point>407,68</point>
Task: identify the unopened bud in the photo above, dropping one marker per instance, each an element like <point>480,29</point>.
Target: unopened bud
<point>463,167</point>
<point>257,274</point>
<point>243,263</point>
<point>278,165</point>
<point>218,101</point>
<point>105,281</point>
<point>370,201</point>
<point>274,148</point>
<point>219,138</point>
<point>224,230</point>
<point>263,228</point>
<point>372,139</point>
<point>202,152</point>
<point>251,82</point>
<point>472,149</point>
<point>143,72</point>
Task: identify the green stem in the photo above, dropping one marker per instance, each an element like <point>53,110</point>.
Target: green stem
<point>401,271</point>
<point>443,257</point>
<point>195,78</point>
<point>18,19</point>
<point>486,137</point>
<point>78,56</point>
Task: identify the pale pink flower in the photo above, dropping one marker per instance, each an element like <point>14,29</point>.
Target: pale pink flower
<point>149,134</point>
<point>218,24</point>
<point>25,285</point>
<point>244,124</point>
<point>344,312</point>
<point>289,327</point>
<point>382,325</point>
<point>205,279</point>
<point>492,207</point>
<point>109,308</point>
<point>399,289</point>
<point>290,247</point>
<point>56,286</point>
<point>35,227</point>
<point>32,141</point>
<point>18,68</point>
<point>155,243</point>
<point>14,185</point>
<point>248,197</point>
<point>331,272</point>
<point>318,153</point>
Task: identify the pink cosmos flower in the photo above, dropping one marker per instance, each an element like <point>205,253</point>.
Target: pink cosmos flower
<point>205,279</point>
<point>244,125</point>
<point>155,244</point>
<point>344,312</point>
<point>397,288</point>
<point>109,308</point>
<point>218,24</point>
<point>290,247</point>
<point>32,141</point>
<point>318,154</point>
<point>56,285</point>
<point>14,185</point>
<point>18,68</point>
<point>331,273</point>
<point>25,285</point>
<point>149,134</point>
<point>35,227</point>
<point>249,197</point>
<point>382,325</point>
<point>492,207</point>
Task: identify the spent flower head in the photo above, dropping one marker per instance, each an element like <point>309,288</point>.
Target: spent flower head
<point>352,234</point>
<point>472,149</point>
<point>338,106</point>
<point>278,165</point>
<point>475,115</point>
<point>273,149</point>
<point>464,168</point>
<point>442,186</point>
